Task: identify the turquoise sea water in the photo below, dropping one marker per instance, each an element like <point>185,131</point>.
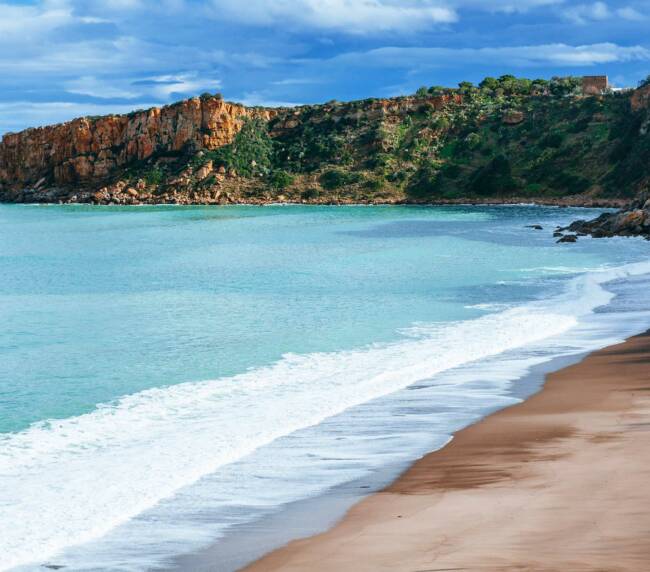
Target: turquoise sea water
<point>164,351</point>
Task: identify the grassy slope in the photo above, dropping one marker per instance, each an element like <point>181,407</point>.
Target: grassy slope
<point>405,149</point>
<point>564,146</point>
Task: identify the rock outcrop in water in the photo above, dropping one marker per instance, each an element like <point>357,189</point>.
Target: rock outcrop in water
<point>631,221</point>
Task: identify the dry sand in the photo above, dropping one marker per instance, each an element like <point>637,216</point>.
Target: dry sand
<point>558,482</point>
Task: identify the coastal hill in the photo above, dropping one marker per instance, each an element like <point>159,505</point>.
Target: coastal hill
<point>567,140</point>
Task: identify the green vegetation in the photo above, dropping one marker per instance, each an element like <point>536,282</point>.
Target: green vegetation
<point>281,180</point>
<point>558,143</point>
<point>504,137</point>
<point>208,95</point>
<point>154,176</point>
<point>335,179</point>
<point>249,155</point>
<point>494,178</point>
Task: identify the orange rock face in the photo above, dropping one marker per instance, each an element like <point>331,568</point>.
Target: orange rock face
<point>513,117</point>
<point>369,110</point>
<point>640,98</point>
<point>87,150</point>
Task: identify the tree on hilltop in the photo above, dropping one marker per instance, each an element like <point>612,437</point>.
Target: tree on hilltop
<point>489,83</point>
<point>466,87</point>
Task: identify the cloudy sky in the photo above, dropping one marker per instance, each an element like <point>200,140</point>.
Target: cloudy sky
<point>64,58</point>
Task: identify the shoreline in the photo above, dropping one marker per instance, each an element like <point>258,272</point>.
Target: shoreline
<point>603,203</point>
<point>244,544</point>
<point>552,483</point>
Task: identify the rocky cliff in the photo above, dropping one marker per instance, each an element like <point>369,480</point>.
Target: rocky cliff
<point>480,144</point>
<point>640,98</point>
<point>90,150</point>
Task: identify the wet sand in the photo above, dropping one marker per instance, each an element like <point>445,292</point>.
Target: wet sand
<point>558,482</point>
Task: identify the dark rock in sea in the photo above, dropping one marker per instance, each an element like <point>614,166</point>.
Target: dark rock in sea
<point>569,238</point>
<point>557,234</point>
<point>631,221</point>
<point>535,226</point>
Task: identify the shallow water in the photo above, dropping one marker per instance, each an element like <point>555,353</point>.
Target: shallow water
<point>167,373</point>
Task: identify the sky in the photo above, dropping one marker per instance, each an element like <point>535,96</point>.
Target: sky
<point>61,59</point>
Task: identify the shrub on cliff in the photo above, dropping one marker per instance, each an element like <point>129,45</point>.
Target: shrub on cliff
<point>154,176</point>
<point>561,86</point>
<point>208,95</point>
<point>507,85</point>
<point>539,87</point>
<point>310,194</point>
<point>374,185</point>
<point>466,87</point>
<point>570,183</point>
<point>437,90</point>
<point>250,153</point>
<point>451,171</point>
<point>489,84</point>
<point>333,179</point>
<point>425,182</point>
<point>311,145</point>
<point>553,140</point>
<point>494,178</point>
<point>580,125</point>
<point>281,180</point>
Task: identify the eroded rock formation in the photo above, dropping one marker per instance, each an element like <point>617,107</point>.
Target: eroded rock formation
<point>90,149</point>
<point>634,220</point>
<point>429,148</point>
<point>640,98</point>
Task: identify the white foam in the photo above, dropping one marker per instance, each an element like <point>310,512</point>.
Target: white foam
<point>488,306</point>
<point>71,481</point>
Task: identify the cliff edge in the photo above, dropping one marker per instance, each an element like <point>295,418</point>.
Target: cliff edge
<point>92,149</point>
<point>507,140</point>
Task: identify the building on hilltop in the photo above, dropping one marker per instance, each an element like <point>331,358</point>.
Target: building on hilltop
<point>594,84</point>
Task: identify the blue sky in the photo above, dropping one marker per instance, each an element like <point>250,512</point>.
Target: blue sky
<point>64,58</point>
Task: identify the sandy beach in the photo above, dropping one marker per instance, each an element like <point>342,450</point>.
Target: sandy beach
<point>557,482</point>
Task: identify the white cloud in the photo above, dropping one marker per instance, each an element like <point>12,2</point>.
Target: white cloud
<point>600,11</point>
<point>631,14</point>
<point>120,4</point>
<point>161,87</point>
<point>126,8</point>
<point>257,98</point>
<point>27,22</point>
<point>583,13</point>
<point>298,81</point>
<point>162,50</point>
<point>16,115</point>
<point>164,86</point>
<point>99,88</point>
<point>349,16</point>
<point>506,6</point>
<point>82,57</point>
<point>520,56</point>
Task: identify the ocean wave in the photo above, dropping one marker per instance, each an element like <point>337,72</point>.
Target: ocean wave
<point>66,482</point>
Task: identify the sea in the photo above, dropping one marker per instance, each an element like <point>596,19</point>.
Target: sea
<point>171,374</point>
